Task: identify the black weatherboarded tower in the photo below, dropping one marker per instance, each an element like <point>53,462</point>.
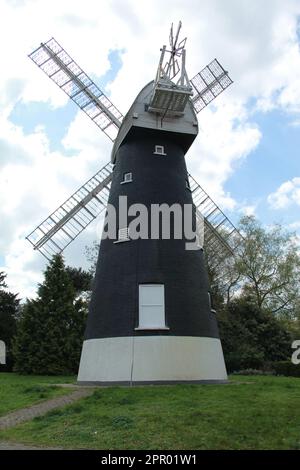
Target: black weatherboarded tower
<point>150,317</point>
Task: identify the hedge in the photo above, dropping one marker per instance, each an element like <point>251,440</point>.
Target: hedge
<point>286,368</point>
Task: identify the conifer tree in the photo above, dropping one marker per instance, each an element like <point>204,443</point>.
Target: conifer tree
<point>49,336</point>
<point>27,343</point>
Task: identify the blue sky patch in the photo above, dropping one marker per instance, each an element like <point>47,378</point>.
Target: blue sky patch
<point>56,121</point>
<point>275,161</point>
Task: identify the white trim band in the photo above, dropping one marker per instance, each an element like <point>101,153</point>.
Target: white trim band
<point>152,358</point>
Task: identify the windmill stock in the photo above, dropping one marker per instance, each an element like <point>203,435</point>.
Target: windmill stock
<point>150,317</point>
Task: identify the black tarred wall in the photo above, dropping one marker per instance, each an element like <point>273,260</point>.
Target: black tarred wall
<point>123,266</point>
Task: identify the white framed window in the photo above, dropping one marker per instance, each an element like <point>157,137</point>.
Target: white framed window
<point>123,235</point>
<point>152,307</point>
<point>210,303</point>
<point>127,178</point>
<point>159,150</point>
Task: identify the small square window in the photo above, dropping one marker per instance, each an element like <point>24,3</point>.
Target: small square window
<point>127,178</point>
<point>123,235</point>
<point>159,150</point>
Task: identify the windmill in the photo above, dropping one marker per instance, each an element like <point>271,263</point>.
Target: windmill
<point>150,318</point>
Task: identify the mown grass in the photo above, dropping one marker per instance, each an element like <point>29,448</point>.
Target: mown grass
<point>17,391</point>
<point>249,413</point>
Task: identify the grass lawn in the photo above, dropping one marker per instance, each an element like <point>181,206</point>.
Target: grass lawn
<point>250,413</point>
<point>17,391</point>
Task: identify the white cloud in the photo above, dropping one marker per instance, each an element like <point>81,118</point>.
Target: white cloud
<point>212,160</point>
<point>33,182</point>
<point>294,225</point>
<point>258,46</point>
<point>248,209</point>
<point>287,194</point>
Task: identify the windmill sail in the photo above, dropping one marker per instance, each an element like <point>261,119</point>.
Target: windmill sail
<point>56,232</point>
<point>221,237</point>
<point>64,71</point>
<point>208,84</point>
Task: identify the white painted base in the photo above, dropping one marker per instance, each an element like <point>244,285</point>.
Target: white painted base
<point>152,359</point>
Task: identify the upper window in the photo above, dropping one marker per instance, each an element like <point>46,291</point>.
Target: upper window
<point>152,307</point>
<point>187,184</point>
<point>123,235</point>
<point>159,150</point>
<point>210,302</point>
<point>127,178</point>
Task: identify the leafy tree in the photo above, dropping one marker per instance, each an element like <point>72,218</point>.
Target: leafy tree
<point>50,331</point>
<point>2,280</point>
<point>224,280</point>
<point>9,304</point>
<point>270,265</point>
<point>92,253</point>
<point>266,269</point>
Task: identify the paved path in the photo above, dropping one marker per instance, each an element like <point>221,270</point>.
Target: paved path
<point>17,446</point>
<point>27,414</point>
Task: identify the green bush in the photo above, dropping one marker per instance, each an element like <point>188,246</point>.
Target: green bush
<point>286,368</point>
<point>253,372</point>
<point>251,337</point>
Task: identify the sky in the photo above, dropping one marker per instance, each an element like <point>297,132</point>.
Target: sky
<point>246,155</point>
